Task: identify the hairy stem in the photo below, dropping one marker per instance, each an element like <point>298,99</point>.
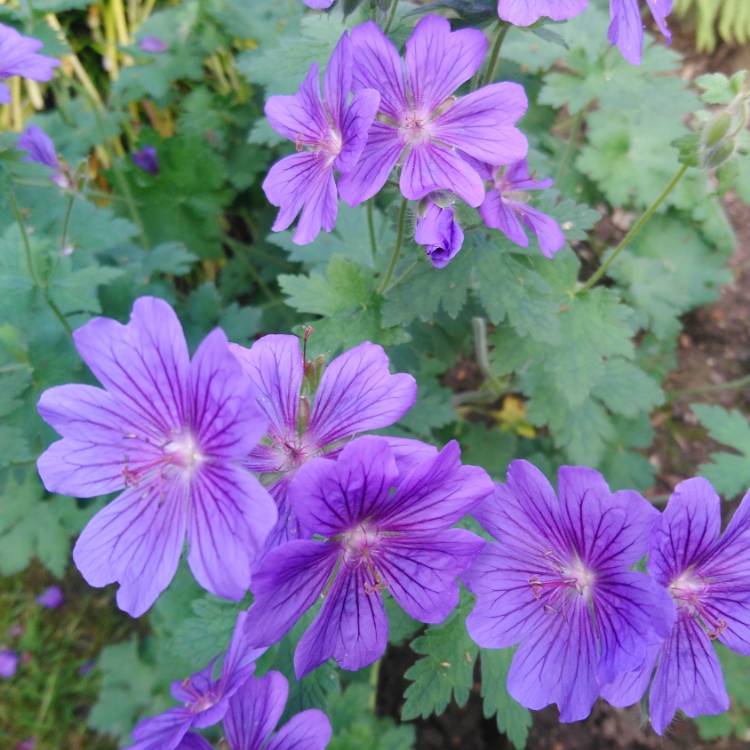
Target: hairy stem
<point>502,31</point>
<point>371,229</point>
<point>396,248</point>
<point>374,679</point>
<point>634,231</point>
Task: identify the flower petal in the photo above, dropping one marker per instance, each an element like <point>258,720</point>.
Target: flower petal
<point>497,214</point>
<point>626,29</point>
<point>526,12</point>
<point>299,117</point>
<point>439,60</point>
<point>421,571</point>
<point>255,710</point>
<point>548,233</point>
<point>629,687</point>
<point>358,393</point>
<point>355,128</point>
<point>136,541</point>
<point>351,626</point>
<point>482,124</point>
<point>285,585</point>
<point>308,730</point>
<point>231,516</point>
<point>337,80</point>
<point>193,741</point>
<point>163,732</point>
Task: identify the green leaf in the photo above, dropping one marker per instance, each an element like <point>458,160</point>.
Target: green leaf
<point>728,472</point>
<point>169,257</point>
<point>445,670</point>
<point>626,389</point>
<point>512,719</point>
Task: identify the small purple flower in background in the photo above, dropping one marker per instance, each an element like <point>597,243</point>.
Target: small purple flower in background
<point>356,393</point>
<point>18,57</point>
<point>147,159</point>
<point>505,207</point>
<point>528,12</point>
<point>329,134</point>
<point>255,710</point>
<point>440,233</point>
<point>422,121</point>
<point>28,744</point>
<point>707,575</point>
<point>8,663</point>
<point>559,583</point>
<point>41,150</point>
<point>153,44</point>
<point>381,529</point>
<point>626,29</point>
<point>173,433</point>
<point>319,4</point>
<point>205,700</point>
<point>51,598</point>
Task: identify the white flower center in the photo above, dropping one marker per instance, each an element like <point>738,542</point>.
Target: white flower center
<point>184,452</point>
<point>416,127</point>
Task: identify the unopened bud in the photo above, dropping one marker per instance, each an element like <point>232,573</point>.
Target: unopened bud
<point>715,157</point>
<point>717,129</point>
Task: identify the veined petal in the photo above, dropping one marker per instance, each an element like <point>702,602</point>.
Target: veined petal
<point>136,541</point>
<point>629,687</point>
<point>337,80</point>
<point>330,497</point>
<point>358,393</point>
<point>255,710</point>
<point>378,66</point>
<point>420,571</point>
<point>308,730</point>
<point>482,124</point>
<point>374,165</point>
<point>351,626</point>
<point>527,12</point>
<point>626,29</point>
<point>286,584</point>
<point>357,120</point>
<point>231,515</point>
<point>497,214</point>
<point>548,233</point>
<point>193,741</point>
<point>163,732</point>
<point>299,117</point>
<point>439,60</point>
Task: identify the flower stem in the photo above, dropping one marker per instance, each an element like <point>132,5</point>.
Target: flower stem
<point>371,228</point>
<point>742,382</point>
<point>396,248</point>
<point>66,220</point>
<point>391,16</point>
<point>502,31</point>
<point>374,679</point>
<point>32,270</point>
<point>634,231</point>
<point>575,131</point>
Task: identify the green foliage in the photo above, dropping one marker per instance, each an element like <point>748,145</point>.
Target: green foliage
<point>728,472</point>
<point>737,720</point>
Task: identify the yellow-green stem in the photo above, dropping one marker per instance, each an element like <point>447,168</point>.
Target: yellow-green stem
<point>371,229</point>
<point>396,248</point>
<point>374,679</point>
<point>502,31</point>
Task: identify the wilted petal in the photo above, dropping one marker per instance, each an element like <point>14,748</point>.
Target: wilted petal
<point>357,393</point>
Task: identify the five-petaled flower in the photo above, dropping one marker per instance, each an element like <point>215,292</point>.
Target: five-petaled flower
<point>18,57</point>
<point>173,433</point>
<point>421,119</point>
<point>559,582</point>
<point>707,575</point>
<point>356,393</point>
<point>377,528</point>
<point>329,134</point>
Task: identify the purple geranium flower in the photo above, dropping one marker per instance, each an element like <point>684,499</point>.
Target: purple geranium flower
<point>626,29</point>
<point>707,575</point>
<point>41,150</point>
<point>379,528</point>
<point>329,135</point>
<point>51,598</point>
<point>205,700</point>
<point>356,393</point>
<point>506,207</point>
<point>147,159</point>
<point>420,118</point>
<point>153,44</point>
<point>172,433</point>
<point>18,57</point>
<point>8,663</point>
<point>255,710</point>
<point>440,233</point>
<point>319,4</point>
<point>559,583</point>
<point>527,12</point>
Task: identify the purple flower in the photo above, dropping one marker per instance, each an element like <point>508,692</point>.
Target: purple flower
<point>205,700</point>
<point>173,433</point>
<point>356,393</point>
<point>41,150</point>
<point>28,744</point>
<point>18,58</point>
<point>527,12</point>
<point>153,44</point>
<point>147,159</point>
<point>51,598</point>
<point>8,664</point>
<point>378,528</point>
<point>422,121</point>
<point>440,233</point>
<point>559,583</point>
<point>329,134</point>
<point>506,208</point>
<point>319,4</point>
<point>626,29</point>
<point>707,575</point>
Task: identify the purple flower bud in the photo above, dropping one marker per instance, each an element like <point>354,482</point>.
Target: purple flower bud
<point>147,159</point>
<point>8,664</point>
<point>86,667</point>
<point>51,598</point>
<point>153,44</point>
<point>41,150</point>
<point>440,233</point>
<point>319,4</point>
